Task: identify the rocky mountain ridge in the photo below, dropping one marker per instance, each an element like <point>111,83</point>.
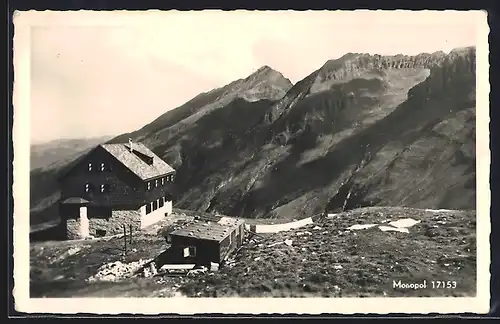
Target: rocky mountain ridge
<point>361,130</point>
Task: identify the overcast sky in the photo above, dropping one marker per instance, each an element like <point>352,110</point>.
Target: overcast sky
<point>99,73</point>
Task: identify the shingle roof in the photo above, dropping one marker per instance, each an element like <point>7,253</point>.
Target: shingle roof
<point>207,231</point>
<point>135,164</point>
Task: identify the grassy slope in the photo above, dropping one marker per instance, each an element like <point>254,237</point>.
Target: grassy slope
<point>441,247</point>
<point>370,259</point>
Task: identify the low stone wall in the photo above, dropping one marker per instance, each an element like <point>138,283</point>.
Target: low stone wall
<point>99,225</point>
<point>73,229</point>
<point>108,226</point>
<point>123,217</point>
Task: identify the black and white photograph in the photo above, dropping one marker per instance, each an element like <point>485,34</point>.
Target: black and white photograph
<point>281,161</point>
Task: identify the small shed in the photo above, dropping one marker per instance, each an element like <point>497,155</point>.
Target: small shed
<point>204,242</point>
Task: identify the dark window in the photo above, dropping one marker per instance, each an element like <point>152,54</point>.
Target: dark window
<point>148,186</point>
<point>155,205</point>
<point>190,251</point>
<point>90,166</point>
<point>104,167</point>
<point>105,188</point>
<point>88,187</point>
<point>161,202</point>
<point>148,208</point>
<point>162,181</point>
<point>156,183</point>
<point>100,233</point>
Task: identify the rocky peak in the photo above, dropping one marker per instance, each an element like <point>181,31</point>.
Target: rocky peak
<point>266,73</point>
<point>363,65</point>
<point>264,83</point>
<point>265,69</point>
<point>369,66</point>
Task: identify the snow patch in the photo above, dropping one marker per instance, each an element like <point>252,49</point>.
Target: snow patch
<point>394,229</point>
<point>439,210</point>
<point>404,223</point>
<point>361,226</point>
<point>400,225</point>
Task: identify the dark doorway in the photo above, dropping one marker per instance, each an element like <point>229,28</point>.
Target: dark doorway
<point>100,233</point>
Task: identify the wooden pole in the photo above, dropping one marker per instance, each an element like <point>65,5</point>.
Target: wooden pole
<point>130,233</point>
<point>125,238</point>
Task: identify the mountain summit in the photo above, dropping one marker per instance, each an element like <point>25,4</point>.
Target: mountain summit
<point>362,130</point>
<point>265,83</point>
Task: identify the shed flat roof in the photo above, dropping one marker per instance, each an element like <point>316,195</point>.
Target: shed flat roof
<point>207,230</point>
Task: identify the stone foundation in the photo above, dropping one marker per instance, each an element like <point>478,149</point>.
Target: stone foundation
<point>100,225</point>
<point>123,217</point>
<point>73,229</point>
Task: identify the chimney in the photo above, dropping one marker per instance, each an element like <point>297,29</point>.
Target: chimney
<point>130,144</point>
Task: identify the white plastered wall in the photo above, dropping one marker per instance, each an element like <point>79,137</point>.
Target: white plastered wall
<point>155,215</point>
<point>84,222</point>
